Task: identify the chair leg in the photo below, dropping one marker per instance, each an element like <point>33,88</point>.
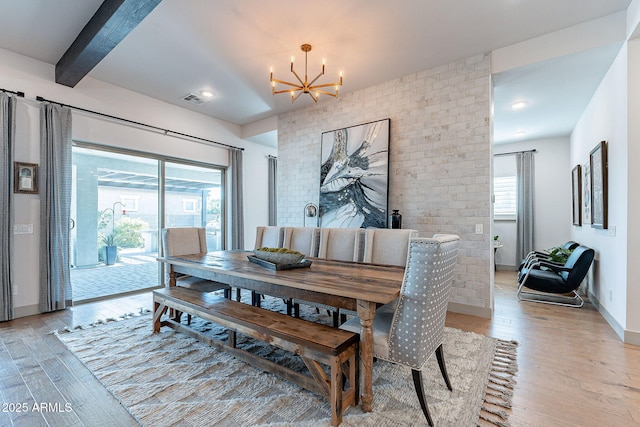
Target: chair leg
<point>336,319</point>
<point>443,367</point>
<point>296,309</point>
<point>417,382</point>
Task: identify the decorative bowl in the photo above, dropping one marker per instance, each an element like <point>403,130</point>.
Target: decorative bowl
<point>278,255</point>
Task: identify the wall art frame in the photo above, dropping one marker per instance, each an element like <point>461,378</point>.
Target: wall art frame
<point>599,195</point>
<point>25,178</point>
<point>354,176</point>
<point>586,194</point>
<point>576,193</point>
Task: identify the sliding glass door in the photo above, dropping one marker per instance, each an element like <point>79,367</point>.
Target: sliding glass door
<point>117,216</point>
<point>193,198</point>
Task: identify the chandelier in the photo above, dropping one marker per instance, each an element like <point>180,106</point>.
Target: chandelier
<point>305,86</point>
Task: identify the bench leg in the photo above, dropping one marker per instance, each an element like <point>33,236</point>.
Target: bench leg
<point>158,311</point>
<point>335,391</point>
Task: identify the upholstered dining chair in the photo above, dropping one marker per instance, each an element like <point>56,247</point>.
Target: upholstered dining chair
<point>384,246</point>
<point>387,246</point>
<point>305,240</point>
<point>338,244</point>
<point>269,236</point>
<point>410,331</point>
<point>190,241</point>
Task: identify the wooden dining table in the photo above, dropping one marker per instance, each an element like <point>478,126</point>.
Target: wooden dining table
<point>347,285</point>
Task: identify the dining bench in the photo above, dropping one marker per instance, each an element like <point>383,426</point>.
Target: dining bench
<point>315,343</point>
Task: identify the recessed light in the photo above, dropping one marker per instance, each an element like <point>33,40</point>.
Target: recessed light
<point>518,105</point>
<point>520,134</point>
<point>207,93</point>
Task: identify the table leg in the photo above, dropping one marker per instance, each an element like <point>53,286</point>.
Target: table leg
<point>366,313</point>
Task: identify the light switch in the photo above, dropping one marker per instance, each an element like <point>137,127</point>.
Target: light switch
<point>479,229</point>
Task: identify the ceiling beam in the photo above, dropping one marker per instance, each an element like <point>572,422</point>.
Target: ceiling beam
<point>106,28</point>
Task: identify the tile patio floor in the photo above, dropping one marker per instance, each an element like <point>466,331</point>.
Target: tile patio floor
<point>132,272</point>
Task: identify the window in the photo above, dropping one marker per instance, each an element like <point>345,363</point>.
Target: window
<point>190,205</point>
<point>130,203</point>
<point>505,190</point>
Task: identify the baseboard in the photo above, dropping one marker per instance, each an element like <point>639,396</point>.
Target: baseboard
<point>471,310</point>
<point>632,337</point>
<point>617,328</point>
<point>26,310</point>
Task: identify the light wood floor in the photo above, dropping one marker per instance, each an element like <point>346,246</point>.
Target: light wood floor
<point>573,369</point>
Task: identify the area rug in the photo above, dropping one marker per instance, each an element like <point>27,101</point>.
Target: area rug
<point>171,379</point>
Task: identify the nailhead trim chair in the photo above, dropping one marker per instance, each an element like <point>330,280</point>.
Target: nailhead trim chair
<point>409,332</point>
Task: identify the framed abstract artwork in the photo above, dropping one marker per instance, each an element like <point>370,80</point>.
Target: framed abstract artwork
<point>576,193</point>
<point>598,165</point>
<point>354,176</point>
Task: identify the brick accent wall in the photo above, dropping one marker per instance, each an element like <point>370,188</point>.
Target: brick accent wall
<point>439,166</point>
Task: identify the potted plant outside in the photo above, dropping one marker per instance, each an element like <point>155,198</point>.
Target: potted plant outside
<point>109,249</point>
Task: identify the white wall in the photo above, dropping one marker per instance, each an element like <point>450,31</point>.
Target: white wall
<point>36,78</point>
<point>605,119</point>
<point>552,204</point>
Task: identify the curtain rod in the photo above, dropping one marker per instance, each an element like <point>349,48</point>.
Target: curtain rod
<point>165,131</point>
<point>18,93</point>
<point>515,152</point>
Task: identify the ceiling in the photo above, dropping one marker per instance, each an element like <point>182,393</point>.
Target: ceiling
<point>228,47</point>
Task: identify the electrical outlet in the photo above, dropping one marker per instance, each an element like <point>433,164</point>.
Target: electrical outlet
<point>23,229</point>
<point>479,229</point>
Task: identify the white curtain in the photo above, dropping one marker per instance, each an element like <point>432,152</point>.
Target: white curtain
<point>237,209</point>
<point>7,136</point>
<point>273,195</point>
<point>55,205</point>
<point>525,176</point>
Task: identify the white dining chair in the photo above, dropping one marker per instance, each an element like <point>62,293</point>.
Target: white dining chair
<point>178,241</point>
<point>305,240</point>
<point>269,236</point>
<point>338,244</point>
<point>408,332</point>
<point>385,246</point>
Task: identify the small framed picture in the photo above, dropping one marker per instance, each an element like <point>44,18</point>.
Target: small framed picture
<point>25,178</point>
<point>576,186</point>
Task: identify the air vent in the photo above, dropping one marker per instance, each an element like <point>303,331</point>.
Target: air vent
<point>196,99</point>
